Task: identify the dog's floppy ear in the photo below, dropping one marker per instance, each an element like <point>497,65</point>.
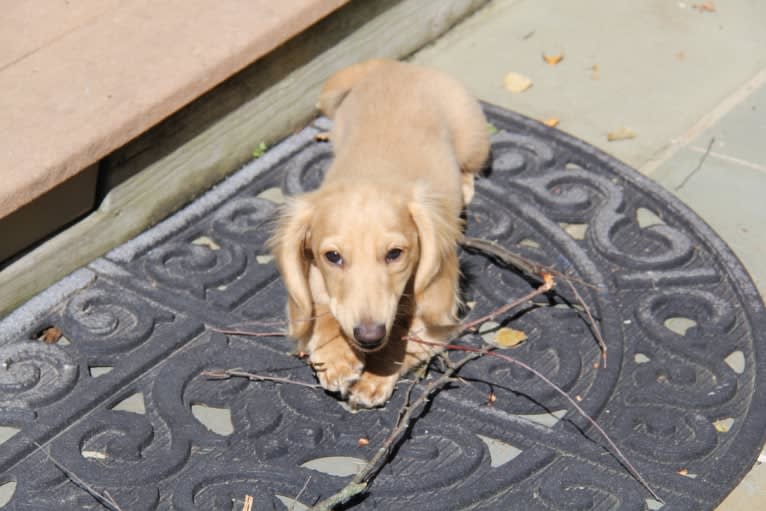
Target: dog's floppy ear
<point>438,233</point>
<point>289,246</point>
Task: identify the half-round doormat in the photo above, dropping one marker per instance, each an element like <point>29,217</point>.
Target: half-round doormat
<point>118,406</point>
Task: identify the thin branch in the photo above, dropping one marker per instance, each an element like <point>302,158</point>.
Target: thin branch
<point>699,165</point>
<point>362,480</point>
<point>347,493</point>
<point>225,374</point>
<point>245,333</point>
<point>247,504</point>
<point>297,497</point>
<point>103,498</point>
<point>530,268</point>
<point>483,351</point>
<point>592,321</point>
<point>547,285</point>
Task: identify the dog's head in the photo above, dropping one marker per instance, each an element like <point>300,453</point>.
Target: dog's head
<point>360,248</point>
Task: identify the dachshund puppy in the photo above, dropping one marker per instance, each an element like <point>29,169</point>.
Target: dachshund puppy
<point>372,254</point>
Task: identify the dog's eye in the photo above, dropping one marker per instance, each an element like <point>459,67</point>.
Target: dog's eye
<point>393,254</point>
<point>334,257</point>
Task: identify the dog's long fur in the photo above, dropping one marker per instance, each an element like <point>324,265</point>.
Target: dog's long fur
<point>373,251</point>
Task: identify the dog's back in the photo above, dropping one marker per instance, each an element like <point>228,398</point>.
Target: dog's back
<point>405,123</point>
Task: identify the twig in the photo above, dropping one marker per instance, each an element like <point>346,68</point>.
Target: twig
<point>540,272</point>
<point>699,165</point>
<point>547,285</point>
<point>361,481</point>
<point>245,333</point>
<point>530,268</point>
<point>247,504</point>
<point>592,321</point>
<point>225,374</point>
<point>297,497</point>
<point>483,351</point>
<point>103,498</point>
<point>347,493</point>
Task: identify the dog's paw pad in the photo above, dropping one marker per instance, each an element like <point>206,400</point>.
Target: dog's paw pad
<point>372,390</point>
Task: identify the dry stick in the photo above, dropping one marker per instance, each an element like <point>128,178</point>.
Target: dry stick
<point>547,285</point>
<point>103,498</point>
<point>225,374</point>
<point>531,268</point>
<point>482,351</point>
<point>297,497</point>
<point>361,481</point>
<point>245,332</point>
<point>538,271</point>
<point>699,165</point>
<point>263,323</point>
<point>593,324</point>
<point>247,504</point>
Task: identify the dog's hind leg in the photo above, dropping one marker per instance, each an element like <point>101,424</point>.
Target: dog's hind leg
<point>340,84</point>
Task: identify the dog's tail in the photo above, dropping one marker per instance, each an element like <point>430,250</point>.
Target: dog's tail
<point>340,84</point>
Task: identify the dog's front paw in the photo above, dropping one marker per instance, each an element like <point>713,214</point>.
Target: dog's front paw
<point>372,390</point>
<point>337,370</point>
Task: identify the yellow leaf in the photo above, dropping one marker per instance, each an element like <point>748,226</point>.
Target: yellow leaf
<point>704,7</point>
<point>621,134</point>
<point>507,337</point>
<point>516,82</point>
<point>204,241</point>
<point>723,425</point>
<point>552,60</point>
<point>551,122</point>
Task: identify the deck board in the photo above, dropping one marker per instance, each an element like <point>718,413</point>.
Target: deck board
<point>80,79</point>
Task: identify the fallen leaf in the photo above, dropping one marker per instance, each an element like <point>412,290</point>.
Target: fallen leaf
<point>322,137</point>
<point>362,442</point>
<point>516,82</point>
<point>204,241</point>
<point>51,335</point>
<point>507,337</point>
<point>491,398</point>
<point>551,122</point>
<point>723,425</point>
<point>554,59</point>
<point>683,472</point>
<point>491,129</point>
<point>621,134</point>
<point>704,7</point>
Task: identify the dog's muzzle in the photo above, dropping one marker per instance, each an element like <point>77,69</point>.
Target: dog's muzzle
<point>370,336</point>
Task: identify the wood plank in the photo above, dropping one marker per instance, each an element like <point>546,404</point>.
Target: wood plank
<point>70,100</point>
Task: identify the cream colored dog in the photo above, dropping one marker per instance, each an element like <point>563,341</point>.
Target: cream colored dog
<point>372,254</point>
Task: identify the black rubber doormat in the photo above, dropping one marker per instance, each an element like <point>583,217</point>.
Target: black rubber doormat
<point>117,400</point>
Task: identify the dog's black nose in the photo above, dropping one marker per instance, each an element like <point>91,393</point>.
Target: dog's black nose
<point>370,335</point>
